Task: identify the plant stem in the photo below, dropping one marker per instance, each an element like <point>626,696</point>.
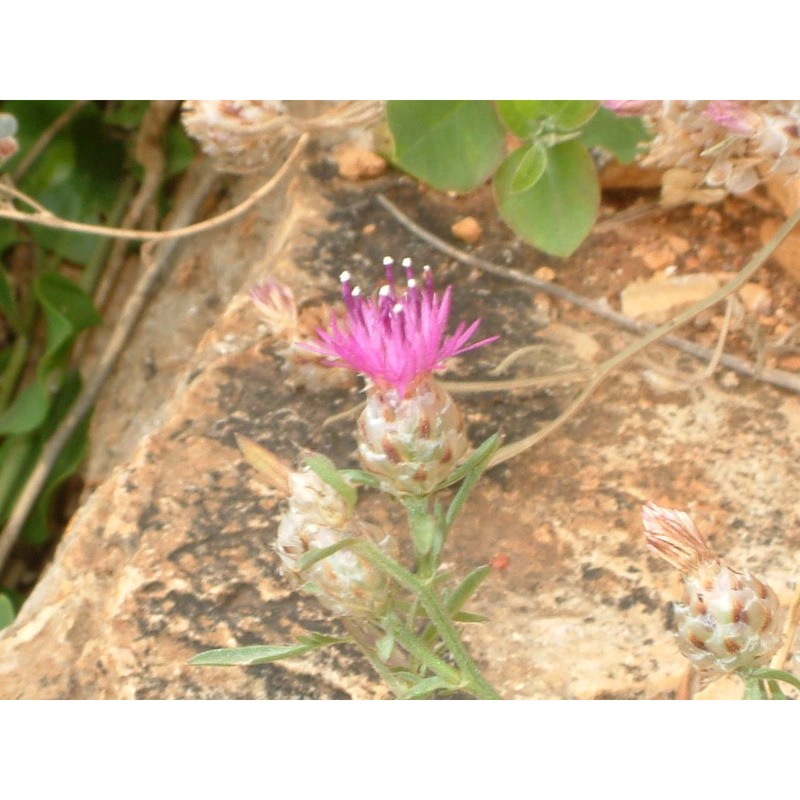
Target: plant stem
<point>476,683</point>
<point>358,638</point>
<point>417,649</point>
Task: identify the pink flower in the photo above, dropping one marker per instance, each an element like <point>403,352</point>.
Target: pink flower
<point>395,338</point>
<point>733,116</point>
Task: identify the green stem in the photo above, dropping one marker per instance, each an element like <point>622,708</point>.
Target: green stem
<point>417,649</point>
<point>358,638</point>
<point>476,683</point>
<point>14,367</point>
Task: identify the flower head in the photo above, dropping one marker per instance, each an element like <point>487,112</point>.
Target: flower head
<point>396,337</point>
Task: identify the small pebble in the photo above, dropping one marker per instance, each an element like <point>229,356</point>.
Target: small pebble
<point>468,229</point>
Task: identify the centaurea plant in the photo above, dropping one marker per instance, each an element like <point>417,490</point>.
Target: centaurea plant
<point>412,445</point>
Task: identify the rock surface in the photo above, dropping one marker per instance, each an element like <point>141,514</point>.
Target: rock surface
<point>171,554</point>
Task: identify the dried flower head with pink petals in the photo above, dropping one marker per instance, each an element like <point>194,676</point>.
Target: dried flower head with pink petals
<point>396,338</point>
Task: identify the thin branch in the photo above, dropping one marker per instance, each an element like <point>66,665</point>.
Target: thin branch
<point>776,377</point>
<point>45,138</point>
<point>50,220</point>
<point>660,333</point>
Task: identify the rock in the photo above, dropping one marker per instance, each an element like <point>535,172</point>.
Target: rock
<point>545,274</point>
<point>468,229</point>
<point>654,258</point>
<point>659,298</point>
<point>356,163</point>
<point>787,255</point>
<point>756,298</point>
<point>679,245</point>
<point>785,191</point>
<point>629,176</point>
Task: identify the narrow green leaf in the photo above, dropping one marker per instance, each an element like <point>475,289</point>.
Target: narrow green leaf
<point>358,476</point>
<point>465,616</point>
<point>478,466</point>
<point>307,560</point>
<point>426,688</point>
<point>558,212</point>
<point>530,169</point>
<point>462,593</point>
<point>7,614</point>
<point>247,656</point>
<point>775,691</point>
<point>326,470</point>
<point>449,144</point>
<point>477,457</point>
<point>622,136</point>
<point>767,674</point>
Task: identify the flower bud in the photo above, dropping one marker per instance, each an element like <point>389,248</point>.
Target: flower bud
<point>730,620</point>
<point>412,441</point>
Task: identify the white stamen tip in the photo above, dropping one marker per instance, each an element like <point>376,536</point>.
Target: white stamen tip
<point>397,308</point>
<point>411,283</point>
<point>385,290</point>
<point>426,268</point>
<point>344,277</point>
<point>406,262</point>
<point>388,261</point>
<point>356,291</point>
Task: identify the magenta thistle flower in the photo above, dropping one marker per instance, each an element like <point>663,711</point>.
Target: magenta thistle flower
<point>395,339</point>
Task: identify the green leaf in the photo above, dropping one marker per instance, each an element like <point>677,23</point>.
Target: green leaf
<point>622,136</point>
<point>358,476</point>
<point>558,212</point>
<point>449,144</point>
<point>426,687</point>
<point>531,167</point>
<point>326,470</point>
<point>8,303</point>
<point>18,454</point>
<point>477,464</point>
<point>67,311</point>
<point>7,614</point>
<point>776,692</point>
<point>27,411</point>
<point>247,656</point>
<point>462,593</point>
<point>384,647</point>
<point>526,118</point>
<point>307,560</point>
<point>465,616</point>
<point>69,459</point>
<point>766,674</point>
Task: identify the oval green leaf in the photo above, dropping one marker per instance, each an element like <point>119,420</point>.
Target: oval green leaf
<point>449,144</point>
<point>524,117</point>
<point>557,213</point>
<point>6,612</point>
<point>521,117</point>
<point>27,412</point>
<point>623,136</point>
<point>530,169</point>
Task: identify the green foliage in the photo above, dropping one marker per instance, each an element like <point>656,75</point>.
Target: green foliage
<point>450,144</point>
<point>558,211</point>
<point>7,613</point>
<point>622,136</point>
<point>547,189</point>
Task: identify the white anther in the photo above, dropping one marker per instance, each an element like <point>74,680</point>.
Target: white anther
<point>344,277</point>
<point>356,291</point>
<point>397,308</point>
<point>385,290</point>
<point>406,262</point>
<point>411,283</point>
<point>388,261</point>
